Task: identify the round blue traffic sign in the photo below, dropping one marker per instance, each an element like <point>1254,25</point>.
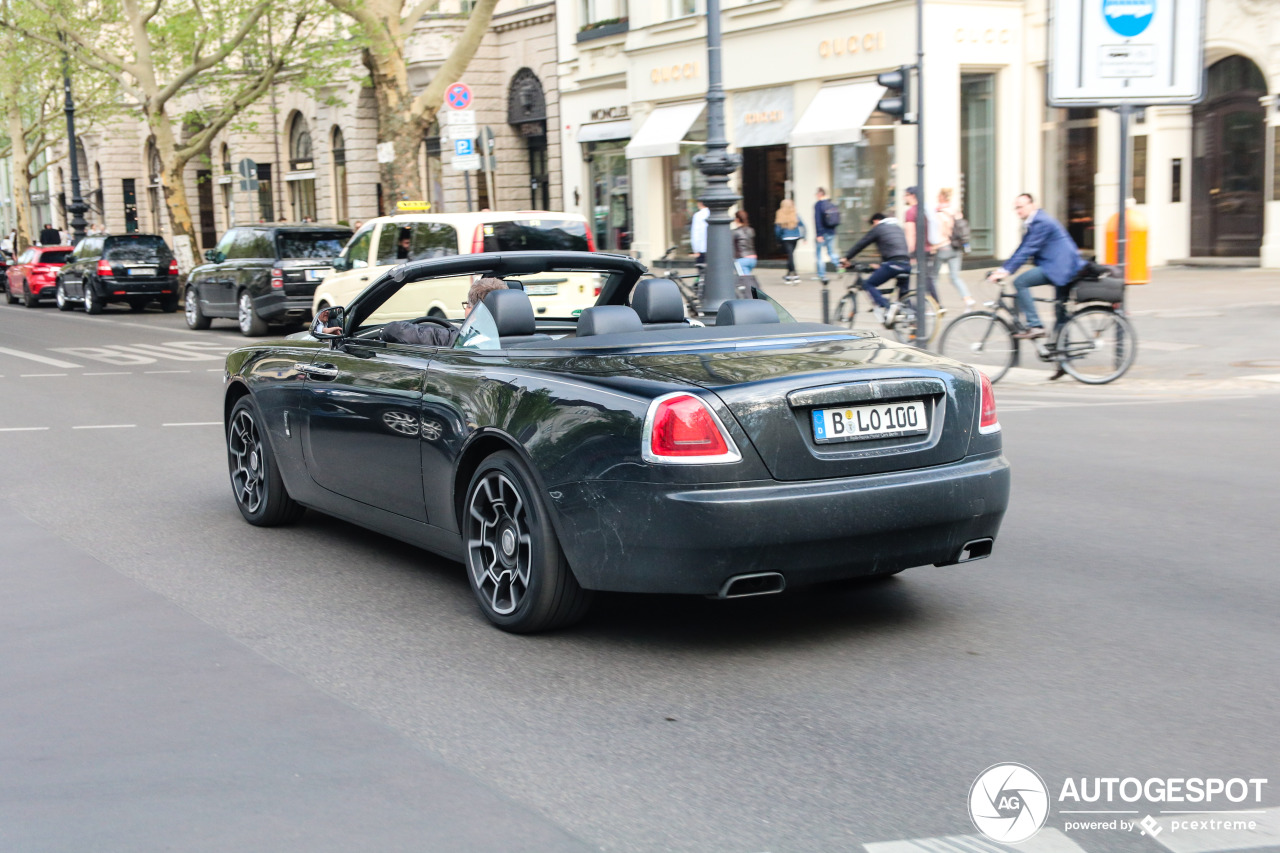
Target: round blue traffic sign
<point>1128,17</point>
<point>458,96</point>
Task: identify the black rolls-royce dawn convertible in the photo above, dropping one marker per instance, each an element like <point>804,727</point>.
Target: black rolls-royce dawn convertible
<point>627,449</point>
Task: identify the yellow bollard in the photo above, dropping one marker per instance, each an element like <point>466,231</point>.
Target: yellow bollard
<point>1136,270</point>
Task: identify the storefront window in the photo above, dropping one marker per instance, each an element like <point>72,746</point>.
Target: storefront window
<point>610,195</point>
<point>685,184</point>
<point>302,190</point>
<point>863,180</point>
<point>978,159</point>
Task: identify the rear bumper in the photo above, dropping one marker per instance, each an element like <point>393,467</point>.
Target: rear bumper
<point>115,289</point>
<point>642,537</point>
<point>278,308</point>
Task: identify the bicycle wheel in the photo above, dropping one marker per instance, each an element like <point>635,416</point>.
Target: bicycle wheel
<point>904,324</point>
<point>1097,345</point>
<point>846,311</point>
<point>982,339</point>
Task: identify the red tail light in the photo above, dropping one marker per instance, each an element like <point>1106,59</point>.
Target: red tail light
<point>477,240</point>
<point>680,428</point>
<point>988,423</point>
<point>173,267</point>
<point>277,278</point>
<point>104,268</point>
<point>591,241</point>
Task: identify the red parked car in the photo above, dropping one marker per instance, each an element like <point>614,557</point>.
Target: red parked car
<point>31,277</point>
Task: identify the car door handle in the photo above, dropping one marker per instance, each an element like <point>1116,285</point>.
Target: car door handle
<point>319,371</point>
<point>364,278</point>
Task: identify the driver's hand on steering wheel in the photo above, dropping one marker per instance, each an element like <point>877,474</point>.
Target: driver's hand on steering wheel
<point>844,263</point>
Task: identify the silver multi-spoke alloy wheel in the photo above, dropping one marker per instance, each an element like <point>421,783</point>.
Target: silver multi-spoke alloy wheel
<point>499,548</point>
<point>247,466</point>
<point>246,313</point>
<point>60,297</point>
<point>190,310</point>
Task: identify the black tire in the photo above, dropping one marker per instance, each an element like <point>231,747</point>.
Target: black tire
<point>846,311</point>
<point>904,326</point>
<point>196,318</point>
<point>516,569</point>
<point>169,304</point>
<point>251,325</point>
<point>29,299</point>
<point>60,297</point>
<point>255,478</point>
<point>1099,344</point>
<point>93,303</point>
<point>982,339</point>
<point>8,294</point>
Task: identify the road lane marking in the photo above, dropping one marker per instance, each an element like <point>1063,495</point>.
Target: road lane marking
<point>43,359</point>
<point>22,429</point>
<point>1045,841</point>
<point>106,426</point>
<point>166,371</point>
<point>197,423</point>
<point>38,375</point>
<point>110,373</point>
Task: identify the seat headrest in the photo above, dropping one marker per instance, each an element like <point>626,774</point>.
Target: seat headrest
<point>742,312</point>
<point>658,300</point>
<point>608,320</point>
<point>512,312</point>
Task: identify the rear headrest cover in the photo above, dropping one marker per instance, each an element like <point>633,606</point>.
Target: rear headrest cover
<point>742,312</point>
<point>608,320</point>
<point>512,312</point>
<point>658,300</point>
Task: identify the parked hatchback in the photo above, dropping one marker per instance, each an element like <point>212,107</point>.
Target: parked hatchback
<point>263,274</point>
<point>135,269</point>
<point>31,277</point>
<point>391,240</point>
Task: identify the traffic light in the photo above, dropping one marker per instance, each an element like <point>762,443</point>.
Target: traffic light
<point>897,103</point>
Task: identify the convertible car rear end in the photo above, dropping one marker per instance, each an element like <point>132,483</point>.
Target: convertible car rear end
<point>625,450</point>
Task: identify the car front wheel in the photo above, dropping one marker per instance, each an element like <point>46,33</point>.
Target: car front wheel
<point>255,477</point>
<point>517,571</point>
<point>195,317</point>
<point>92,301</point>
<point>251,325</point>
<point>8,294</point>
<point>60,297</point>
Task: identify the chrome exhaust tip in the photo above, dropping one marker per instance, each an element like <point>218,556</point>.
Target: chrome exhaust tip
<point>976,549</point>
<point>745,586</point>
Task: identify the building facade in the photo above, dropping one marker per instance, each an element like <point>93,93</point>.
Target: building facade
<point>800,82</point>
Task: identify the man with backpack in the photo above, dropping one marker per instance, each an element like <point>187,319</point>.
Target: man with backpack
<point>826,219</point>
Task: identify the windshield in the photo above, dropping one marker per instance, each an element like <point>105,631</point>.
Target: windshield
<point>479,332</point>
<point>533,234</point>
<point>53,257</point>
<point>311,245</point>
<point>140,247</point>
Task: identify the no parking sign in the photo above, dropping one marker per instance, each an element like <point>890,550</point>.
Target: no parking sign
<point>458,96</point>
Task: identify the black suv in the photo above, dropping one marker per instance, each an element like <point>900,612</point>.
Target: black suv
<point>262,274</point>
<point>131,268</point>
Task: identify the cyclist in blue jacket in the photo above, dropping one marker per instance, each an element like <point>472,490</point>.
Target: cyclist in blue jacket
<point>1055,255</point>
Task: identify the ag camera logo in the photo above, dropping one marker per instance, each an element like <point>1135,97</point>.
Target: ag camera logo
<point>1008,803</point>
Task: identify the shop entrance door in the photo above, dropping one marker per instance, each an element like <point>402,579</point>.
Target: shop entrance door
<point>764,186</point>
<point>1227,171</point>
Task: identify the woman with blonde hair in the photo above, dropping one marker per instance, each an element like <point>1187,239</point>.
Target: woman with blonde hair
<point>947,253</point>
<point>789,229</point>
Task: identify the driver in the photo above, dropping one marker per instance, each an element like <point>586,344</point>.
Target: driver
<point>433,334</point>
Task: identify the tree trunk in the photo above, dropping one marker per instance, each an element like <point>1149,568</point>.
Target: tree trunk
<point>400,178</point>
<point>20,172</point>
<point>172,167</point>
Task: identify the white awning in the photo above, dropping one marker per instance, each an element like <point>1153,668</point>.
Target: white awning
<point>603,131</point>
<point>662,131</point>
<point>836,115</point>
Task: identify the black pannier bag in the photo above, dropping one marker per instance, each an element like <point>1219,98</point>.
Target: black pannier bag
<point>1098,283</point>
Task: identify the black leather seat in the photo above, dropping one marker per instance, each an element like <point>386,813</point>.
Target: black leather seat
<point>608,320</point>
<point>744,312</point>
<point>659,304</point>
<point>513,315</point>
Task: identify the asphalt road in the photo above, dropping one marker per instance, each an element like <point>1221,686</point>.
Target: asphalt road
<point>173,678</point>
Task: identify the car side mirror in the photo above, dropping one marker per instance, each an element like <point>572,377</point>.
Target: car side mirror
<point>327,320</point>
<point>209,255</point>
<point>341,263</point>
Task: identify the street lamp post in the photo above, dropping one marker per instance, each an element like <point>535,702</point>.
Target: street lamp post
<point>717,164</point>
<point>77,207</point>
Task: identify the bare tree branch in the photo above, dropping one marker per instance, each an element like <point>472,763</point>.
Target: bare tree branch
<point>459,58</point>
<point>409,21</point>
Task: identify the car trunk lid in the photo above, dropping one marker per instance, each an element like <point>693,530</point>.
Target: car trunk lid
<point>774,393</point>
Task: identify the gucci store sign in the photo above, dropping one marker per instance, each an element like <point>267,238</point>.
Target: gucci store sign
<point>762,117</point>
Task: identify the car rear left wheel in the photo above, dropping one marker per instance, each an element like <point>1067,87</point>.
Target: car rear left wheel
<point>60,297</point>
<point>92,301</point>
<point>251,325</point>
<point>516,568</point>
<point>255,477</point>
<point>29,299</point>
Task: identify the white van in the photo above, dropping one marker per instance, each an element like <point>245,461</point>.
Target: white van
<point>388,241</point>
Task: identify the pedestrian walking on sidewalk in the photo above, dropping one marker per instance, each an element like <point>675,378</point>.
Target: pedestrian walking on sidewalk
<point>826,219</point>
<point>949,252</point>
<point>49,236</point>
<point>698,233</point>
<point>744,244</point>
<point>789,229</point>
<point>932,237</point>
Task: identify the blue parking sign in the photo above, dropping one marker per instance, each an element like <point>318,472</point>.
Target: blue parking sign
<point>463,147</point>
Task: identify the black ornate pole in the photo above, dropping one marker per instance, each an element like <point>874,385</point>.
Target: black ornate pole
<point>77,207</point>
<point>717,164</point>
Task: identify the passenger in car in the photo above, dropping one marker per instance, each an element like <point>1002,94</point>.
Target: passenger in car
<point>437,334</point>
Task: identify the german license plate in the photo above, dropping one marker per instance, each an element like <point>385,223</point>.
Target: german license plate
<point>316,275</point>
<point>142,270</point>
<point>882,420</point>
<point>542,289</point>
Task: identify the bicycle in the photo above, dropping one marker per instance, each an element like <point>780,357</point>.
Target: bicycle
<point>900,318</point>
<point>690,285</point>
<point>1095,343</point>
